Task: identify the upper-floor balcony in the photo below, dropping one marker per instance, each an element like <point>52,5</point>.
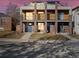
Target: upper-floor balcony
<point>40,15</point>
<point>64,16</point>
<point>50,15</point>
<point>27,15</point>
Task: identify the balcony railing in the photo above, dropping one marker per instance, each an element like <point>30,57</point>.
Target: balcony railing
<point>64,18</point>
<point>51,17</point>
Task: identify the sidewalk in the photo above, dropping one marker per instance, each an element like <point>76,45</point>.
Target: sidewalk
<point>27,35</point>
<point>24,38</point>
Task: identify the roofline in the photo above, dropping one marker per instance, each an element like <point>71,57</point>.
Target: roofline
<point>45,1</point>
<point>75,8</point>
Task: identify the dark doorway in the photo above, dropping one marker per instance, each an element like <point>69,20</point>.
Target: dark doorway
<point>49,24</point>
<point>28,27</point>
<point>62,26</point>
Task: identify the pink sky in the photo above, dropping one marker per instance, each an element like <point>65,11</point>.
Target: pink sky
<point>4,3</point>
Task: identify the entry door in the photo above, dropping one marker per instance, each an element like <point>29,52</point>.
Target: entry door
<point>49,26</point>
<point>29,28</point>
<point>61,29</point>
<point>41,27</point>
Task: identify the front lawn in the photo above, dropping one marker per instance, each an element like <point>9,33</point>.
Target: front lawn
<point>75,36</point>
<point>38,35</point>
<point>54,37</point>
<point>46,36</point>
<point>10,34</point>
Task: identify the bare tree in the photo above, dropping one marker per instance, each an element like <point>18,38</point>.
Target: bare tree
<point>11,11</point>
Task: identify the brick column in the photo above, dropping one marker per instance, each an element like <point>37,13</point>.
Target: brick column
<point>35,26</point>
<point>45,27</point>
<point>70,27</point>
<point>56,13</point>
<point>23,27</point>
<point>46,17</point>
<point>35,18</point>
<point>21,24</point>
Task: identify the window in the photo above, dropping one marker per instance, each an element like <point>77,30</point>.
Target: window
<point>29,16</point>
<point>1,23</point>
<point>41,15</point>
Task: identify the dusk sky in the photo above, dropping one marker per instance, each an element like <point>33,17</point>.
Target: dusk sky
<point>4,3</point>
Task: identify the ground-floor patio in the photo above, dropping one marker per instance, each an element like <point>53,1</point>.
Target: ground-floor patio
<point>47,27</point>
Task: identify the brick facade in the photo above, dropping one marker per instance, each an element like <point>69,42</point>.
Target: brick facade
<point>6,23</point>
<point>56,19</point>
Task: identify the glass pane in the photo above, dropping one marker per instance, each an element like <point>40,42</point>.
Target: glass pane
<point>29,16</point>
<point>41,26</point>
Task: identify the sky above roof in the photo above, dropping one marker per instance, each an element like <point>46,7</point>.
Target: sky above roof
<point>4,3</point>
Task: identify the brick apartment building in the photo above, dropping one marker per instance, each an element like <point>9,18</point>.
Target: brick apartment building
<point>46,17</point>
<point>5,22</point>
<point>75,18</point>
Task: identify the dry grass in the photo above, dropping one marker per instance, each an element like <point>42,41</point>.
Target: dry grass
<point>75,36</point>
<point>10,34</point>
<point>54,37</point>
<point>45,36</point>
<point>38,35</point>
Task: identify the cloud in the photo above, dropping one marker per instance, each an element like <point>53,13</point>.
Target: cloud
<point>4,3</point>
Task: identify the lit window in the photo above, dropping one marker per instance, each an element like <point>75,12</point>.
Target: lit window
<point>0,22</point>
<point>29,16</point>
<point>41,26</point>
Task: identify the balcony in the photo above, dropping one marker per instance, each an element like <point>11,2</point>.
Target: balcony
<point>40,15</point>
<point>66,18</point>
<point>51,15</point>
<point>63,16</point>
<point>28,15</point>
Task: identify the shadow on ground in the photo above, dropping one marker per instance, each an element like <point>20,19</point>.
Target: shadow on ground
<point>38,50</point>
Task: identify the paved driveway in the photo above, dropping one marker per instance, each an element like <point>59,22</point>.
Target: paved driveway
<point>41,50</point>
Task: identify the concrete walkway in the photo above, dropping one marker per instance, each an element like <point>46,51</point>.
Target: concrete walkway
<point>27,36</point>
<point>24,38</point>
